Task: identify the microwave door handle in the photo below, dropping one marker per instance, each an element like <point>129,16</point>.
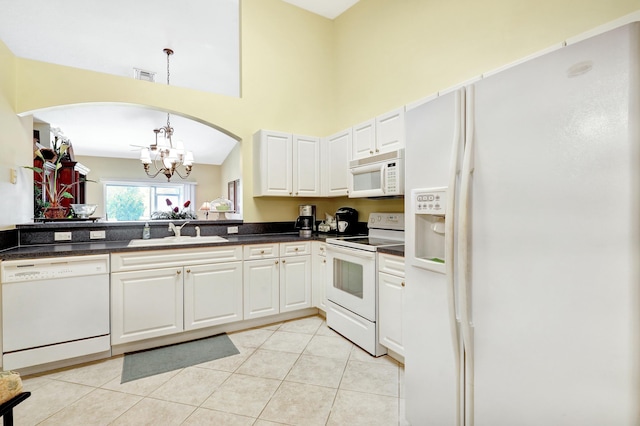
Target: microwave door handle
<point>384,179</point>
<point>365,169</point>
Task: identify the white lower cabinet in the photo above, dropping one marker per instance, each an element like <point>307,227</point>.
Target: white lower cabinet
<point>276,279</point>
<point>391,302</point>
<point>319,277</point>
<point>295,283</point>
<point>146,304</point>
<point>157,293</point>
<point>261,288</point>
<point>212,294</point>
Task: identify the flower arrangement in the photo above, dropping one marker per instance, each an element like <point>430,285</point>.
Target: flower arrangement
<point>48,192</point>
<point>175,212</point>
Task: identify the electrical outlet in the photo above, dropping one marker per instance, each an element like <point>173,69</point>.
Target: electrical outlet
<point>62,236</point>
<point>97,235</point>
<point>232,230</point>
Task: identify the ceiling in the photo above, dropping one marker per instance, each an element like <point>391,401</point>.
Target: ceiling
<point>328,8</point>
<point>117,36</point>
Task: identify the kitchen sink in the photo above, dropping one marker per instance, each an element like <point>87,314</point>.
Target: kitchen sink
<point>177,240</point>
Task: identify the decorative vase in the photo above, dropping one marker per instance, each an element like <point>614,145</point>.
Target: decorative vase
<point>58,212</point>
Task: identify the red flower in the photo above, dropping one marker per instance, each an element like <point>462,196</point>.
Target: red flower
<point>186,203</point>
<point>175,209</point>
<point>168,201</point>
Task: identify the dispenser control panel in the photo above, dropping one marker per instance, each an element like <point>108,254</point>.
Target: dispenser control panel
<point>430,201</point>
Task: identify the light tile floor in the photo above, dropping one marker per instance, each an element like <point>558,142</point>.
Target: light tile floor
<point>298,372</point>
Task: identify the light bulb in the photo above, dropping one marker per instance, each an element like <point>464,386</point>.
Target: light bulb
<point>145,157</point>
<point>188,159</point>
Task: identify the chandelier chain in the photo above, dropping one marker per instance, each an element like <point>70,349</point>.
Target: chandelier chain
<point>166,160</point>
<point>169,52</point>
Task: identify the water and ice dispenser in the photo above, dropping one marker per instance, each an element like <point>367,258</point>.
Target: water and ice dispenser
<point>429,206</point>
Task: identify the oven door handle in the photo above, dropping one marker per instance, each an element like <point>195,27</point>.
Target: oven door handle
<point>370,255</point>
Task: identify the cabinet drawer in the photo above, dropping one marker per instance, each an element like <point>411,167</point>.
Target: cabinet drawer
<point>260,251</point>
<point>138,260</point>
<point>295,248</point>
<point>390,264</point>
<point>319,248</point>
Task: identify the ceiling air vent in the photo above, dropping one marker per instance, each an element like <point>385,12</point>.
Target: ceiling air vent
<point>144,75</point>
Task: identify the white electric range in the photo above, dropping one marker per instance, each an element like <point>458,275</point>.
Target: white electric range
<point>352,290</point>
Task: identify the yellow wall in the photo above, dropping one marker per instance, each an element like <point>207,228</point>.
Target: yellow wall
<point>285,54</point>
<point>16,149</point>
<point>390,53</point>
<point>309,75</point>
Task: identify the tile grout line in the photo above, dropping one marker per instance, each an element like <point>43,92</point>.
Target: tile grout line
<point>290,368</point>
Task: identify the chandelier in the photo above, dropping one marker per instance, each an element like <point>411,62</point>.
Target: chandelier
<point>168,157</point>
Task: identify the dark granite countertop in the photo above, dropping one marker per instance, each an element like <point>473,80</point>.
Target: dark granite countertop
<point>397,250</point>
<point>84,248</point>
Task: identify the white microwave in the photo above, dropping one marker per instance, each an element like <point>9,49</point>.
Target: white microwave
<point>380,175</point>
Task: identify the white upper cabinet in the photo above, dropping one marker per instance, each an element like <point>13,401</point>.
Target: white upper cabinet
<point>364,140</point>
<point>382,134</point>
<point>390,131</point>
<point>273,163</point>
<point>306,166</point>
<point>335,168</point>
<point>286,165</point>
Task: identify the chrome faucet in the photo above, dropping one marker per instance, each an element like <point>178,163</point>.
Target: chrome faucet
<point>176,229</point>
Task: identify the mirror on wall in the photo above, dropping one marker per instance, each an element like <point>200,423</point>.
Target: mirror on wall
<point>107,140</point>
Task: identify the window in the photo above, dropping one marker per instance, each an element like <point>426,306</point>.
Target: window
<point>137,200</point>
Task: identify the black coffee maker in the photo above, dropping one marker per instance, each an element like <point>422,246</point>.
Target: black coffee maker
<point>347,221</point>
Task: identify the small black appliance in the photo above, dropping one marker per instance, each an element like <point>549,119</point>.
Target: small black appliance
<point>347,221</point>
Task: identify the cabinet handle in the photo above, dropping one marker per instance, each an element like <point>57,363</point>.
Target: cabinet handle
<point>402,283</point>
<point>178,272</point>
<point>370,152</point>
<point>276,262</point>
<point>377,150</point>
<point>324,260</point>
<point>296,249</point>
<point>284,261</point>
<point>290,193</point>
<point>188,271</point>
<point>296,192</point>
<point>261,251</point>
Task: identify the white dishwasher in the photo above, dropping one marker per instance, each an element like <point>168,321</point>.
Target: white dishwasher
<point>54,309</point>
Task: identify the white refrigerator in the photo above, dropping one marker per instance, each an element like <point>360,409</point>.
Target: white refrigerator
<point>522,209</point>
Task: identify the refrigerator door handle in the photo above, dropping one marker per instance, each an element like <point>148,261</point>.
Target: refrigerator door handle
<point>450,243</point>
<point>464,239</point>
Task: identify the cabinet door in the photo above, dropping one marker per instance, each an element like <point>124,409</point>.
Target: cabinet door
<point>390,131</point>
<point>273,163</point>
<point>364,140</point>
<point>306,166</point>
<point>295,283</point>
<point>335,172</point>
<point>212,294</point>
<point>146,304</point>
<point>261,288</point>
<point>390,308</point>
<point>319,275</point>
